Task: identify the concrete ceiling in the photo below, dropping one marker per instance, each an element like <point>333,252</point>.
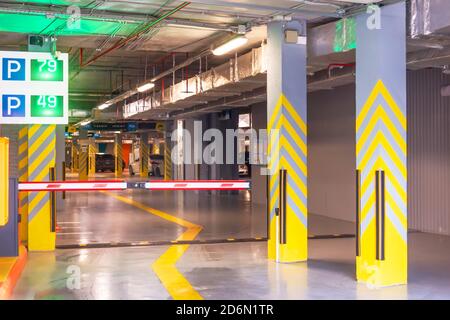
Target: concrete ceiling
<point>198,26</point>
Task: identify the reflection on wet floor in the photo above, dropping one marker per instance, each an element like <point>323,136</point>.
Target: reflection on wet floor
<point>215,271</point>
<point>99,217</point>
<point>233,271</point>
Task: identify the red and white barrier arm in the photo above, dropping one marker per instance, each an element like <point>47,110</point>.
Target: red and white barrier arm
<point>198,185</point>
<point>72,186</point>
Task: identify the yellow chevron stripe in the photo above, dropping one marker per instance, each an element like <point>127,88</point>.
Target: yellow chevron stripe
<point>286,145</point>
<point>23,132</point>
<point>381,165</point>
<point>294,114</point>
<point>23,163</point>
<point>368,206</point>
<point>378,115</point>
<point>380,88</point>
<point>294,176</point>
<point>275,113</point>
<point>398,213</point>
<point>291,194</point>
<point>272,135</point>
<point>32,204</point>
<point>394,107</point>
<point>23,148</point>
<point>287,125</point>
<point>47,132</point>
<point>33,129</point>
<point>380,140</point>
<point>50,148</point>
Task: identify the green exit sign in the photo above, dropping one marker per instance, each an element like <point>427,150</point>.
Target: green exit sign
<point>46,70</point>
<point>47,106</point>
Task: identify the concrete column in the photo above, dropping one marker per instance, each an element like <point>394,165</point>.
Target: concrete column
<point>168,164</point>
<point>83,153</point>
<point>41,157</point>
<point>92,150</point>
<point>286,111</point>
<point>118,156</point>
<point>143,155</point>
<point>381,146</point>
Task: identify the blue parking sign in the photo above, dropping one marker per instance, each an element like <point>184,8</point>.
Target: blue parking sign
<point>13,69</point>
<point>13,105</point>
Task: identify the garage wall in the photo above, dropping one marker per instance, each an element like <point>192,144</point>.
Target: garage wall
<point>331,153</point>
<point>429,152</point>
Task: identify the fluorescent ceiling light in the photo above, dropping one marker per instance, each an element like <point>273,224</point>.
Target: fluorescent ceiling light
<point>85,122</point>
<point>146,87</point>
<point>229,46</point>
<point>103,106</point>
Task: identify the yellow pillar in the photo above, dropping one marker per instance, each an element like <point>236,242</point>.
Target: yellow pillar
<point>381,149</point>
<point>167,162</point>
<point>41,157</point>
<point>4,183</point>
<point>83,160</point>
<point>118,155</point>
<point>92,149</point>
<point>143,156</point>
<point>286,103</point>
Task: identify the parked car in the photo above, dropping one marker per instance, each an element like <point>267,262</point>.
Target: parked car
<point>155,165</point>
<point>106,162</point>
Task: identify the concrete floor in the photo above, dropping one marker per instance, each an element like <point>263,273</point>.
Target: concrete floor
<point>215,271</point>
<point>237,271</point>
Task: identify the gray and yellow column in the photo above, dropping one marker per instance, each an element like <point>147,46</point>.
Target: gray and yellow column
<point>118,155</point>
<point>23,177</point>
<point>41,157</point>
<point>92,151</point>
<point>144,154</point>
<point>381,146</point>
<point>286,99</point>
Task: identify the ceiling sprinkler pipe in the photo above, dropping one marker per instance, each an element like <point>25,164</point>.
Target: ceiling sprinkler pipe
<point>123,42</point>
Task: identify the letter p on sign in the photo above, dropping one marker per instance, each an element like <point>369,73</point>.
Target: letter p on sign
<point>13,69</point>
<point>13,105</point>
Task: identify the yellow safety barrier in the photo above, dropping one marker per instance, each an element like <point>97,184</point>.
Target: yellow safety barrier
<point>4,183</point>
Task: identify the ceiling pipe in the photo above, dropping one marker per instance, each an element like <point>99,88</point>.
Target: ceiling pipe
<point>123,42</point>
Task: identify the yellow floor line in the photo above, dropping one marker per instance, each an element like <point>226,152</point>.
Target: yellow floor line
<point>165,267</point>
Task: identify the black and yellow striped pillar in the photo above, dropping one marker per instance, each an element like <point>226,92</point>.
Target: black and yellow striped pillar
<point>287,149</point>
<point>23,176</point>
<point>118,156</point>
<point>143,156</point>
<point>156,147</point>
<point>92,151</point>
<point>167,161</point>
<point>41,157</point>
<point>83,160</point>
<point>75,157</point>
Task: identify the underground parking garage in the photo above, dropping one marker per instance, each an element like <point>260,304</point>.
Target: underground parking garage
<point>215,150</point>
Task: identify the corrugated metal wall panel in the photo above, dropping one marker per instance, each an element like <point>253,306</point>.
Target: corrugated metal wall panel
<point>428,152</point>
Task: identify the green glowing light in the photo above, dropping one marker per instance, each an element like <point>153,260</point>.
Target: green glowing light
<point>345,35</point>
<point>46,70</point>
<point>47,106</point>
